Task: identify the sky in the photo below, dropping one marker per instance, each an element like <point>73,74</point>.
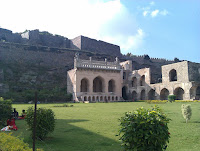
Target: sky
<point>159,28</point>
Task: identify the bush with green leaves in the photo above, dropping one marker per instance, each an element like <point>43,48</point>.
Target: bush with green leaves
<point>12,143</point>
<point>5,110</point>
<point>144,130</point>
<point>171,98</point>
<point>186,111</point>
<point>45,122</point>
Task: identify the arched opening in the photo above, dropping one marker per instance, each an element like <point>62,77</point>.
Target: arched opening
<point>179,93</point>
<point>142,81</point>
<point>89,99</point>
<point>105,99</point>
<point>84,85</point>
<point>93,99</point>
<point>151,95</point>
<point>98,84</point>
<point>142,95</point>
<point>116,98</point>
<point>134,95</point>
<point>113,98</point>
<point>198,93</point>
<point>172,75</point>
<point>101,98</point>
<point>164,94</point>
<point>85,98</point>
<point>111,86</point>
<point>193,93</point>
<point>134,82</point>
<point>124,94</point>
<point>108,98</point>
<point>97,98</point>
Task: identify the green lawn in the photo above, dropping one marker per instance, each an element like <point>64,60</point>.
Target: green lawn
<point>93,127</point>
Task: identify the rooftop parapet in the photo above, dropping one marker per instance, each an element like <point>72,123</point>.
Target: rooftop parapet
<point>92,64</point>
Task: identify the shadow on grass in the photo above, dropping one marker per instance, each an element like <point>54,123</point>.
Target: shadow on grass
<point>195,122</point>
<point>67,137</point>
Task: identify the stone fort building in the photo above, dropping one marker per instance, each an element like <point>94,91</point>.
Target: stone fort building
<point>92,81</point>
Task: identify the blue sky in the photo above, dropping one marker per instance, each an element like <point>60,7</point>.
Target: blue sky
<point>161,29</point>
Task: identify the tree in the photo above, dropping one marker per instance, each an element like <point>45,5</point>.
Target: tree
<point>45,121</point>
<point>144,130</point>
<point>5,110</point>
<point>186,111</point>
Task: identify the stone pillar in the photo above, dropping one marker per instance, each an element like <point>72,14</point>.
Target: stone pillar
<point>90,85</point>
<point>106,86</point>
<point>186,95</point>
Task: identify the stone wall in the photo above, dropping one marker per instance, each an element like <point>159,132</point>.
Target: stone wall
<point>35,37</point>
<point>7,35</point>
<point>181,70</point>
<point>96,46</point>
<point>194,71</point>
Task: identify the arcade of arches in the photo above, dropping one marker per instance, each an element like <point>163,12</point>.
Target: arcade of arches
<point>98,88</point>
<point>92,80</point>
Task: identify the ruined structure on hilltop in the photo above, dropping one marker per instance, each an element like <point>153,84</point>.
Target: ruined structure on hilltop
<point>37,38</point>
<point>109,81</point>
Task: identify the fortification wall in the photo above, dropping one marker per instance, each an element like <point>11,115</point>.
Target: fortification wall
<point>46,39</point>
<point>194,71</point>
<point>7,35</point>
<point>96,46</point>
<point>99,46</point>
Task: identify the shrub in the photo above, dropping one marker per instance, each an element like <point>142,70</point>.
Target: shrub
<point>144,130</point>
<point>156,101</point>
<point>45,121</point>
<point>171,98</point>
<point>186,111</point>
<point>12,143</point>
<point>5,110</point>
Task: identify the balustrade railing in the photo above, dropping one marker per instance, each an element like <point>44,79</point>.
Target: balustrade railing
<point>96,64</point>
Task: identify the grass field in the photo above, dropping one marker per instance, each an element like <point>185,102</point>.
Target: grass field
<point>93,127</point>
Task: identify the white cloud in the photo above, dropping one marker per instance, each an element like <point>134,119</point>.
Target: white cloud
<point>149,11</point>
<point>164,12</point>
<point>145,13</point>
<point>106,20</point>
<point>154,13</point>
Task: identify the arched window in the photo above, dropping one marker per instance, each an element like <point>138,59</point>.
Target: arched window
<point>134,95</point>
<point>93,98</point>
<point>124,93</point>
<point>198,93</point>
<point>98,84</point>
<point>142,81</point>
<point>84,85</point>
<point>164,94</point>
<point>85,98</point>
<point>134,82</point>
<point>142,95</point>
<point>179,93</point>
<point>111,86</point>
<point>172,75</point>
<point>113,98</point>
<point>151,95</point>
